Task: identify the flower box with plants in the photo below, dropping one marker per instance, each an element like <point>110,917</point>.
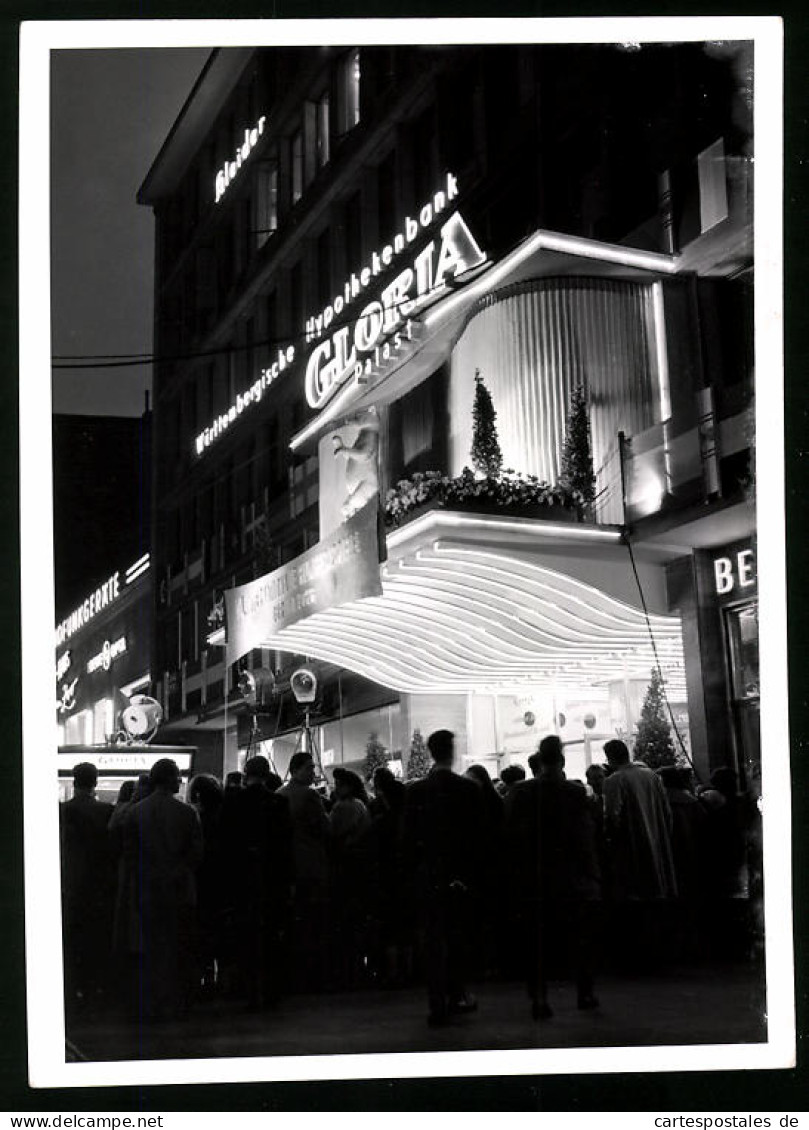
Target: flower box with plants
<point>487,488</point>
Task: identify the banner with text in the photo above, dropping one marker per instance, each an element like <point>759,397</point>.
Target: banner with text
<point>342,567</point>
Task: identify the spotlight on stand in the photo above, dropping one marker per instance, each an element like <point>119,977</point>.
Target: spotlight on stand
<point>303,684</point>
<point>257,686</point>
<point>141,718</point>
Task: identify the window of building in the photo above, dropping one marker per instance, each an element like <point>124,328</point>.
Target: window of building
<point>303,486</point>
<point>189,421</point>
<point>742,630</point>
<point>265,201</point>
<point>296,158</point>
<point>353,231</point>
<point>324,268</point>
<point>249,349</point>
<point>205,275</point>
<point>424,156</point>
<point>272,318</point>
<point>209,381</point>
<point>386,195</point>
<point>233,371</point>
<point>275,453</point>
<point>322,131</point>
<point>225,260</point>
<point>348,89</point>
<point>417,423</point>
<point>245,233</point>
<point>296,312</point>
<point>205,510</point>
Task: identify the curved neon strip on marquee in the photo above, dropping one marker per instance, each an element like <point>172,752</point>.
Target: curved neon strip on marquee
<point>423,634</point>
<point>662,622</point>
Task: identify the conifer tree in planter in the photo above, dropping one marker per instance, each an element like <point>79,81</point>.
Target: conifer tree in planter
<point>486,456</point>
<point>577,459</point>
<point>419,763</point>
<point>376,756</point>
<point>653,741</point>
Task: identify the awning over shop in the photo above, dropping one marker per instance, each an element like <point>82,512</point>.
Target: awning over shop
<point>479,603</point>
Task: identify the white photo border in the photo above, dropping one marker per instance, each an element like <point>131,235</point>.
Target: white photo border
<point>46,1029</point>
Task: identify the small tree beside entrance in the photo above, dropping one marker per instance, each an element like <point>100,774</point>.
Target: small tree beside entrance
<point>376,757</point>
<point>653,740</point>
<point>419,762</point>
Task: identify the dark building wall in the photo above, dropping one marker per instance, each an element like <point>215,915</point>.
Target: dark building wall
<point>101,499</point>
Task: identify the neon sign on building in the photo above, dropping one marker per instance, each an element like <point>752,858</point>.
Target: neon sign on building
<point>361,279</point>
<point>346,352</point>
<point>383,329</point>
<point>243,400</point>
<point>229,171</point>
<point>62,665</point>
<point>104,595</point>
<point>108,653</point>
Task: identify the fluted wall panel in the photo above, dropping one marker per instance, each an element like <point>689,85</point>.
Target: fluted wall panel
<point>533,344</point>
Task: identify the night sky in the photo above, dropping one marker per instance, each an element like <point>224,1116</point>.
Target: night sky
<point>111,112</point>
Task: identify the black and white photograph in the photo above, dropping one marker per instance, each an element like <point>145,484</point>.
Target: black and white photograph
<point>396,418</point>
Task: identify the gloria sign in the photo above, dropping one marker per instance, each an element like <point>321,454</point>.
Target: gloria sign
<point>342,567</point>
<point>383,330</point>
<point>350,349</point>
<point>381,260</point>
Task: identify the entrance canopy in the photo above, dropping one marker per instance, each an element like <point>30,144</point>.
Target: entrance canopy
<point>477,603</point>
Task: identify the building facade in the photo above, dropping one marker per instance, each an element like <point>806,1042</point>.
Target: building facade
<point>103,653</point>
<point>345,239</point>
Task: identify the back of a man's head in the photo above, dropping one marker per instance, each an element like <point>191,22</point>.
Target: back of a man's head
<point>511,774</point>
<point>85,775</point>
<point>549,754</point>
<point>300,761</point>
<point>164,774</point>
<point>441,744</point>
<point>616,752</point>
<point>256,769</point>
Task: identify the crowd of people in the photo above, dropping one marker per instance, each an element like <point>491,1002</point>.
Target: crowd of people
<point>260,886</point>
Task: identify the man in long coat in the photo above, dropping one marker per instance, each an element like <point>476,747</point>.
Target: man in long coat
<point>88,888</point>
<point>443,851</point>
<point>166,837</point>
<point>553,833</point>
<point>256,838</point>
<point>638,825</point>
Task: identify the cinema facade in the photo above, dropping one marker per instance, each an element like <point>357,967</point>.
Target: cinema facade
<point>346,239</point>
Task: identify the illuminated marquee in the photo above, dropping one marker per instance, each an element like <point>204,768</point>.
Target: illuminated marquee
<point>346,352</point>
<point>101,598</point>
<point>230,169</point>
<point>62,665</point>
<point>108,653</point>
<point>243,400</point>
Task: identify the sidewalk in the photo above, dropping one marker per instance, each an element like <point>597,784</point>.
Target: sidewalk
<point>689,1006</point>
